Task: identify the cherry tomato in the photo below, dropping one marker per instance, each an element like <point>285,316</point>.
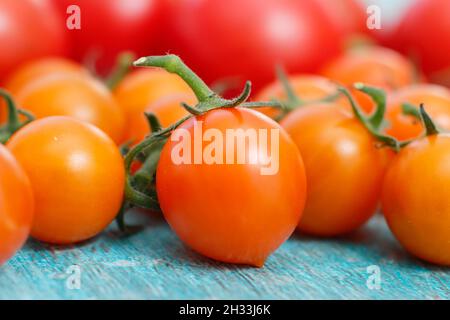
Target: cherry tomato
<point>344,168</point>
<point>423,34</point>
<point>142,88</point>
<point>435,98</point>
<point>376,66</point>
<point>29,30</point>
<point>416,195</point>
<point>232,212</point>
<point>16,205</point>
<point>308,88</point>
<point>81,97</point>
<point>246,39</point>
<point>111,27</point>
<point>77,176</point>
<point>36,69</point>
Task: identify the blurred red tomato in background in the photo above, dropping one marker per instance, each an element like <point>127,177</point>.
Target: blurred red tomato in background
<point>246,39</point>
<point>28,30</point>
<point>111,27</point>
<point>424,34</point>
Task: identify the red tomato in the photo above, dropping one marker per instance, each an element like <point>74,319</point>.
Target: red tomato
<point>28,30</point>
<point>78,181</point>
<point>423,34</point>
<point>38,68</point>
<point>348,16</point>
<point>74,95</point>
<point>16,205</point>
<point>232,212</point>
<point>436,100</point>
<point>375,66</point>
<point>111,27</point>
<point>344,168</point>
<point>416,195</point>
<point>246,39</point>
<point>139,90</point>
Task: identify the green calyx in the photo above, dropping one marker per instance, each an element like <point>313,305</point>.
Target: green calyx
<point>13,123</point>
<point>374,122</point>
<point>121,69</point>
<point>293,100</point>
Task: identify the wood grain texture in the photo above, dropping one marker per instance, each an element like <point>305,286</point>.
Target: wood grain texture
<point>153,264</point>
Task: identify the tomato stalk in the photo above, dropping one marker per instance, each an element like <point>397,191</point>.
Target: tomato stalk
<point>140,190</point>
<point>293,100</point>
<point>374,123</point>
<point>121,69</point>
<point>430,127</point>
<point>14,123</point>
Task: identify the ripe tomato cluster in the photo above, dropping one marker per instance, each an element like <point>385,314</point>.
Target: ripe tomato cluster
<point>323,148</point>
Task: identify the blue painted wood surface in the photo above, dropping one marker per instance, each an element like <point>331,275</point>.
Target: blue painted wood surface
<point>153,264</point>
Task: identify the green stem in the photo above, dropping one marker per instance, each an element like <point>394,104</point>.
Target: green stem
<point>379,97</point>
<point>430,127</point>
<point>410,110</point>
<point>173,64</point>
<point>293,99</point>
<point>122,68</point>
<point>367,123</point>
<point>13,124</point>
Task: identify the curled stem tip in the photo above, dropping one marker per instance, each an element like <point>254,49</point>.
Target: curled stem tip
<point>430,127</point>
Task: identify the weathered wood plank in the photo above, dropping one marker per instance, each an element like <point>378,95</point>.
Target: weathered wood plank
<point>153,264</point>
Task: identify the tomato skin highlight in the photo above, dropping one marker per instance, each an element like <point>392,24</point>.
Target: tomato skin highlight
<point>23,25</point>
<point>78,181</point>
<point>16,205</point>
<point>435,98</point>
<point>77,96</point>
<point>230,212</point>
<point>108,28</point>
<point>344,169</point>
<point>139,90</point>
<point>416,195</point>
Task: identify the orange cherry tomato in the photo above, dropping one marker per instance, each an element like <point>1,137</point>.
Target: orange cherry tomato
<point>309,88</point>
<point>36,69</point>
<point>416,198</point>
<point>436,100</point>
<point>375,66</point>
<point>231,212</point>
<point>77,175</point>
<point>344,168</point>
<point>141,88</point>
<point>167,109</point>
<point>83,98</point>
<point>16,205</point>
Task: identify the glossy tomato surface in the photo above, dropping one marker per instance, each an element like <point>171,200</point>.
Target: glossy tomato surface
<point>344,168</point>
<point>111,27</point>
<point>16,205</point>
<point>436,100</point>
<point>416,195</point>
<point>29,30</point>
<point>81,97</point>
<point>143,88</point>
<point>246,39</point>
<point>232,212</point>
<point>78,181</point>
